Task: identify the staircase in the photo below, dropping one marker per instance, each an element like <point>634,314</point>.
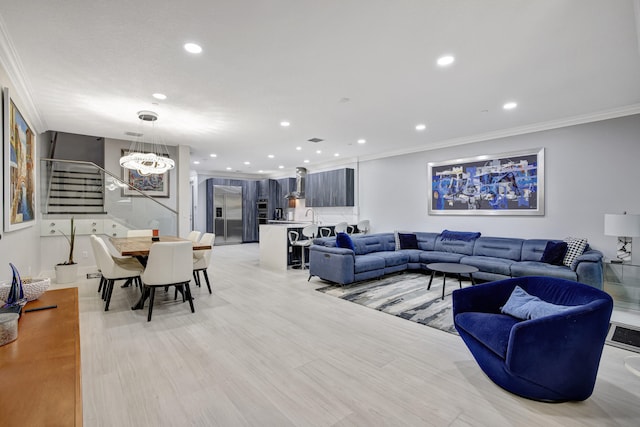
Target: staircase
<point>76,192</point>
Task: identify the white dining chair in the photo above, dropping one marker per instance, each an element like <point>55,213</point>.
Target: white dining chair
<point>194,236</point>
<point>202,259</point>
<point>343,227</point>
<point>113,269</point>
<point>325,232</point>
<point>140,233</point>
<point>169,264</point>
<point>363,226</point>
<point>310,232</point>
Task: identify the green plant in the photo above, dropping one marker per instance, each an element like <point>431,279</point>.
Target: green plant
<point>71,239</point>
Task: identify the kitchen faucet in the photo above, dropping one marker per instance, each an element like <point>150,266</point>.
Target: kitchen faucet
<point>313,215</point>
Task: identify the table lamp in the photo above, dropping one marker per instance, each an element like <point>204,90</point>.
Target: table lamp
<point>624,227</point>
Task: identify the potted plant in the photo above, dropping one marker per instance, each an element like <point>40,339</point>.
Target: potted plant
<point>67,272</point>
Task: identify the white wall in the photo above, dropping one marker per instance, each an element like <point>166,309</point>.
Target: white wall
<point>20,247</point>
<point>590,170</point>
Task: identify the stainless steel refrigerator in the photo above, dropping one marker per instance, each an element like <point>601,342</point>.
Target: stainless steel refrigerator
<point>227,208</point>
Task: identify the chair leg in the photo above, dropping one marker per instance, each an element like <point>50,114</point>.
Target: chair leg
<point>206,278</point>
<point>109,287</point>
<point>151,296</point>
<point>101,283</point>
<point>188,292</point>
<point>196,277</point>
<point>302,257</point>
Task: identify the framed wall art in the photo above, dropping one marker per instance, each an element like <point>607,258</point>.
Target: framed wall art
<point>19,142</point>
<point>154,185</point>
<point>500,184</point>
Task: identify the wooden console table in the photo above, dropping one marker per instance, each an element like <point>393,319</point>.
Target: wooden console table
<point>41,369</point>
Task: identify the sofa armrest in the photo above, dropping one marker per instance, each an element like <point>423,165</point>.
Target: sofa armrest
<point>589,268</point>
<point>535,345</point>
<point>333,264</point>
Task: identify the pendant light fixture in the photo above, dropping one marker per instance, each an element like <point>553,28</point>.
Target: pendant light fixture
<point>147,157</point>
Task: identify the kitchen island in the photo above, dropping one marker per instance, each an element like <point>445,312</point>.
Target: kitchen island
<point>274,243</point>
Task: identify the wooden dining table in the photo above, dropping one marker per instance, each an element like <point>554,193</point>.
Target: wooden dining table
<point>139,248</point>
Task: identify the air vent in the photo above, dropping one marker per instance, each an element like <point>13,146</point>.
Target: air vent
<point>134,134</point>
<point>315,140</point>
<point>624,336</point>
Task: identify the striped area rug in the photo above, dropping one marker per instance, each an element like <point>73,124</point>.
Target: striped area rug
<point>404,295</point>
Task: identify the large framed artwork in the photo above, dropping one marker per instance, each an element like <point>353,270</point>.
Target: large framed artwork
<point>154,185</point>
<point>19,167</point>
<point>501,184</point>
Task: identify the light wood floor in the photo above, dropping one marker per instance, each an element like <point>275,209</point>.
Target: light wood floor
<point>266,349</point>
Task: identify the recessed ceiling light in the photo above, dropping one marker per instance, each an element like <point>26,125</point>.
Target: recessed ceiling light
<point>247,163</point>
<point>271,156</point>
<point>445,60</point>
<point>306,161</point>
<point>260,171</point>
<point>510,105</point>
<point>318,151</point>
<point>213,155</point>
<point>192,48</point>
<point>280,167</point>
<point>362,141</point>
<point>229,168</point>
<point>298,148</point>
<point>421,126</point>
<point>336,155</point>
<point>195,162</point>
<point>160,96</point>
<point>285,124</point>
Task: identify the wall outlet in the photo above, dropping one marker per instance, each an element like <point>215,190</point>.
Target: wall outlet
<point>93,275</point>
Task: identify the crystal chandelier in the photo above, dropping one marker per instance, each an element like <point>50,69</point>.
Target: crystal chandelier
<point>147,158</point>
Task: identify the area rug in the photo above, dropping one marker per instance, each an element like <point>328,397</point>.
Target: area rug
<point>404,295</point>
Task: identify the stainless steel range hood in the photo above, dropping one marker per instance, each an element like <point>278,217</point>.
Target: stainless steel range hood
<point>298,193</point>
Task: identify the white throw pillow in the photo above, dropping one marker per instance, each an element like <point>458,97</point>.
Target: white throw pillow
<point>575,248</point>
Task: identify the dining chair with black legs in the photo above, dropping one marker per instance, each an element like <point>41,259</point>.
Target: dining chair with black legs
<point>113,269</point>
<point>169,264</point>
<point>202,259</point>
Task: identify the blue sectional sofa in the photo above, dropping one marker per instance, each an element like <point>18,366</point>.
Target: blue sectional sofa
<point>496,257</point>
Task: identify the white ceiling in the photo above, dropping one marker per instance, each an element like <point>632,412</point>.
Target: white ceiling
<point>339,70</point>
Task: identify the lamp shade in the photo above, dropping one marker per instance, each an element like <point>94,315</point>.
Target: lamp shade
<point>622,225</point>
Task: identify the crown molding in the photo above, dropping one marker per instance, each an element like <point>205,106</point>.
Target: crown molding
<point>628,110</point>
<point>11,63</point>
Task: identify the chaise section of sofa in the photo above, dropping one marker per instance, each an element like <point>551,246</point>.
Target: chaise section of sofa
<point>496,258</point>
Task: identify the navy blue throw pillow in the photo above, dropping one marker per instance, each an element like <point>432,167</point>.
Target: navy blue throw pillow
<point>554,253</point>
<point>408,241</point>
<point>344,241</point>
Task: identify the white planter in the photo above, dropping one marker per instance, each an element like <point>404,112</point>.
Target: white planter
<point>66,273</point>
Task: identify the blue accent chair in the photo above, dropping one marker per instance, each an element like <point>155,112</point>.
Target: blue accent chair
<point>553,358</point>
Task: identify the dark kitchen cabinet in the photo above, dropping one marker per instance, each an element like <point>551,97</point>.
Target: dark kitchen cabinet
<point>331,188</point>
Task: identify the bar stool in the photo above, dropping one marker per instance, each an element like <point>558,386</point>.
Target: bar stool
<point>310,232</point>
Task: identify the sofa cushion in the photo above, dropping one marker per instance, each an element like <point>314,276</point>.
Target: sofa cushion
<point>498,247</point>
<point>368,262</point>
<point>489,264</point>
<point>412,254</point>
<point>392,258</point>
<point>491,329</point>
<point>426,241</point>
<point>522,305</point>
<point>532,268</point>
<point>532,249</point>
<point>437,256</point>
<point>454,246</point>
<point>554,253</point>
<point>408,241</point>
<point>344,241</point>
<point>368,244</point>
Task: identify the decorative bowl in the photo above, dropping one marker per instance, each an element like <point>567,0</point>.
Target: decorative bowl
<point>32,289</point>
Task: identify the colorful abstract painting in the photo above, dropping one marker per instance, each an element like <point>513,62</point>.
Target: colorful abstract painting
<point>504,184</point>
<point>19,168</point>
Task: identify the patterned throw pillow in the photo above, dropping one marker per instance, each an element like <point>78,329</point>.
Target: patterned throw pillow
<point>575,248</point>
